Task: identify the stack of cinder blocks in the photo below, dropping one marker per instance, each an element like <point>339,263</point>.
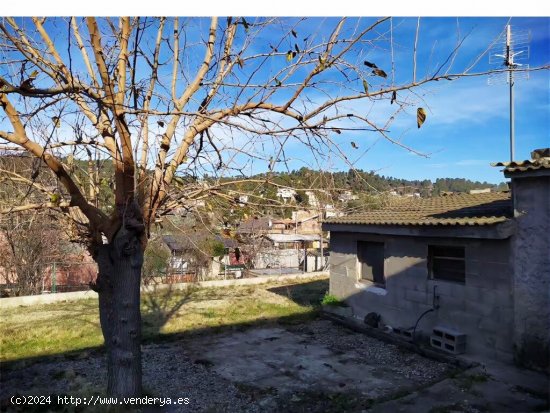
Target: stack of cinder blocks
<point>448,340</point>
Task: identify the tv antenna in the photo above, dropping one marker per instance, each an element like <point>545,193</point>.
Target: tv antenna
<point>511,50</point>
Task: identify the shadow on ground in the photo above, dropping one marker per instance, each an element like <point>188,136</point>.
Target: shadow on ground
<point>298,363</point>
<point>310,293</point>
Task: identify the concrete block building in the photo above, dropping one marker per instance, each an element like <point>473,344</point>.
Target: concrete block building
<point>475,267</point>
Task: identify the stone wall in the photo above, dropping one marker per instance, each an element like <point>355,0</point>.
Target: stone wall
<point>481,308</point>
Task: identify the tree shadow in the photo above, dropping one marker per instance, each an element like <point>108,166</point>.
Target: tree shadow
<point>310,293</point>
<point>159,304</point>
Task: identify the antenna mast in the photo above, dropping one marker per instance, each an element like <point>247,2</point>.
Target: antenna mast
<point>510,64</point>
<point>514,50</point>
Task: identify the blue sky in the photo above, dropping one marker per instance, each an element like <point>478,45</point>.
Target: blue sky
<point>467,124</point>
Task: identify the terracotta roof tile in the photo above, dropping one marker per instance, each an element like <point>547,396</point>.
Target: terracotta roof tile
<point>528,165</point>
<point>541,160</point>
<point>456,209</point>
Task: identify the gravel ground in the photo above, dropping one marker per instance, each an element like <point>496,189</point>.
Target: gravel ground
<point>169,371</point>
<point>405,363</point>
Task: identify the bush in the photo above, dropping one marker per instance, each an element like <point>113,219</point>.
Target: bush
<point>330,299</point>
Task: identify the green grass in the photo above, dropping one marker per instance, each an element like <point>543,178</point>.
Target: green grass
<point>63,327</point>
<point>330,299</point>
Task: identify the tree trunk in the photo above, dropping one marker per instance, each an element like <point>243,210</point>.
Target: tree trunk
<point>118,286</point>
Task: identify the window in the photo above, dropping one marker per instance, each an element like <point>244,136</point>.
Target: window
<point>371,261</point>
<point>446,263</point>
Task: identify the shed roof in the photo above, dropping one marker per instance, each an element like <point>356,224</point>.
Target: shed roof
<point>455,209</point>
<point>527,165</point>
<point>292,237</point>
<point>541,160</point>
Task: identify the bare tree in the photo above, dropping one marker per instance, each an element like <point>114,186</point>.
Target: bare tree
<point>167,101</point>
<point>26,257</point>
<point>29,240</point>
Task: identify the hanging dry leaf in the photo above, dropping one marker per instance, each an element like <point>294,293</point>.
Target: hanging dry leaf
<point>289,55</point>
<point>56,122</point>
<point>366,86</point>
<point>369,64</point>
<point>354,145</point>
<point>160,123</point>
<point>293,33</point>
<point>27,84</point>
<point>393,97</point>
<point>33,74</point>
<point>379,72</point>
<point>322,63</point>
<point>420,116</point>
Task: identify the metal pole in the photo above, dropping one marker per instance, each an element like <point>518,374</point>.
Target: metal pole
<point>512,137</point>
<point>54,280</point>
<point>322,254</point>
<point>510,64</point>
<point>305,256</point>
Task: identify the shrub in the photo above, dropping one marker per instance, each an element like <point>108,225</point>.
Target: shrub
<point>330,299</point>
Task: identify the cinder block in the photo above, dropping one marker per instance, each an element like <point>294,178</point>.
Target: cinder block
<point>448,340</point>
<point>453,348</point>
<point>449,335</point>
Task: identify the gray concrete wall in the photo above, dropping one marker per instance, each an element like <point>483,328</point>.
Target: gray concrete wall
<point>275,258</point>
<point>482,307</point>
<point>532,270</point>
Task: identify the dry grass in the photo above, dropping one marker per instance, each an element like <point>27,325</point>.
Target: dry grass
<point>62,327</point>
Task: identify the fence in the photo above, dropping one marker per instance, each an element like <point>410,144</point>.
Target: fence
<point>57,277</point>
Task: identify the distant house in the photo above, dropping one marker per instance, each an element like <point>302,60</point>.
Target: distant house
<point>290,251</point>
<point>347,196</point>
<point>286,193</point>
<point>255,226</point>
<point>305,222</point>
<point>190,255</point>
<point>312,199</point>
<point>480,191</point>
<point>470,271</point>
<point>282,243</point>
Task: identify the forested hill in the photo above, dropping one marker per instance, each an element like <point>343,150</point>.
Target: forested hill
<point>362,181</point>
